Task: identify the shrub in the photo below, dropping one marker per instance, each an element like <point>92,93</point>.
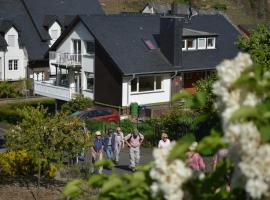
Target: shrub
<point>77,104</point>
<point>127,126</point>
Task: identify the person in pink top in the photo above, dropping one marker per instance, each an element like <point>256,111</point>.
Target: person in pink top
<point>194,159</point>
<point>164,141</point>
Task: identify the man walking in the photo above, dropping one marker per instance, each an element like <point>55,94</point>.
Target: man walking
<point>109,143</point>
<point>118,144</point>
<point>97,151</point>
<point>134,141</point>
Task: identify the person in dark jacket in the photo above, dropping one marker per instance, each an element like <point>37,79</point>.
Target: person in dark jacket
<point>109,144</point>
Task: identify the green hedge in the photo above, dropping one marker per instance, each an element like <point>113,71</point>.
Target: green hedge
<point>9,112</point>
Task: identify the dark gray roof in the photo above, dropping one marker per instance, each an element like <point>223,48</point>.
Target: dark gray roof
<point>194,33</point>
<point>121,37</point>
<point>225,42</point>
<point>43,12</point>
<point>3,43</point>
<point>14,11</point>
<point>5,25</point>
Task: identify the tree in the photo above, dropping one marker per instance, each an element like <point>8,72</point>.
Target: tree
<point>257,45</point>
<point>77,104</point>
<point>46,137</point>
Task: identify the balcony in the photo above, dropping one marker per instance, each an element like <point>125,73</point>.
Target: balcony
<point>65,59</point>
<point>48,89</point>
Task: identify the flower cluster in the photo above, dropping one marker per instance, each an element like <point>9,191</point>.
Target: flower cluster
<point>168,177</point>
<point>251,158</point>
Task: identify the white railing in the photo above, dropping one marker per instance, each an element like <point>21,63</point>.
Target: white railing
<point>47,89</point>
<point>67,59</point>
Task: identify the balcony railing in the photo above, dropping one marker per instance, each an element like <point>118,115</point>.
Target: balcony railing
<point>66,59</point>
<point>46,88</point>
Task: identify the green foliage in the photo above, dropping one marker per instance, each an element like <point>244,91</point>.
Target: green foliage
<point>258,45</point>
<point>77,104</point>
<point>46,137</point>
<point>127,126</point>
<point>114,187</point>
<point>10,113</point>
<point>11,89</point>
<point>220,6</point>
<point>209,145</point>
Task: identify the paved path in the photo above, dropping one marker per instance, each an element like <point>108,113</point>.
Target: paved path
<point>122,167</point>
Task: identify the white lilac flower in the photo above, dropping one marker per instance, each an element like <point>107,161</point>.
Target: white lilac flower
<point>256,188</point>
<point>168,177</point>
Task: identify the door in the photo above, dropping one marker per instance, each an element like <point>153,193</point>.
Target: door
<point>77,50</point>
<point>78,83</point>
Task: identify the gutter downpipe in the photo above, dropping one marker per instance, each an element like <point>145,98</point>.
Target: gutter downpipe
<point>133,77</point>
<point>172,77</point>
<point>4,65</point>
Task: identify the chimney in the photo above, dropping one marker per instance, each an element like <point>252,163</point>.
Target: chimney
<point>171,39</point>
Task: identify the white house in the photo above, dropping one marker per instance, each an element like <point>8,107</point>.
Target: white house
<point>120,59</point>
<point>13,55</point>
<point>71,65</point>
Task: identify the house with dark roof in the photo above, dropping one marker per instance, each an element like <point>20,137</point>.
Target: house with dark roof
<point>137,58</point>
<point>38,24</point>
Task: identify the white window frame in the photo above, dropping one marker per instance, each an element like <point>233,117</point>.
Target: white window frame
<point>149,91</point>
<point>14,42</point>
<point>11,64</point>
<point>185,46</point>
<point>205,43</point>
<point>89,75</point>
<point>214,42</point>
<point>192,48</point>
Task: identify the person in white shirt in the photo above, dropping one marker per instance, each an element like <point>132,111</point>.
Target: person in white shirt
<point>118,144</point>
<point>164,141</point>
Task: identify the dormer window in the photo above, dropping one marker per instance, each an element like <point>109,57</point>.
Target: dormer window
<point>201,43</point>
<point>11,40</point>
<point>191,44</point>
<point>54,34</point>
<point>211,43</point>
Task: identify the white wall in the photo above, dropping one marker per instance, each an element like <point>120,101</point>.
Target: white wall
<point>1,65</point>
<point>54,26</point>
<point>146,97</point>
<point>148,9</point>
<point>15,53</point>
<point>78,33</point>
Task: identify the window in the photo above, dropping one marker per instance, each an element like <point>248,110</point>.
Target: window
<point>89,81</point>
<point>54,34</point>
<point>10,64</point>
<point>149,44</point>
<point>134,85</point>
<point>11,40</point>
<point>13,64</point>
<point>201,43</point>
<point>146,84</point>
<point>184,44</point>
<point>191,44</point>
<point>90,47</point>
<point>211,43</point>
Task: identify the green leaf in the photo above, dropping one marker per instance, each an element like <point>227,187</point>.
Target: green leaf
<point>108,163</point>
<point>72,189</point>
<point>210,144</point>
<point>265,133</point>
<point>181,95</point>
<point>245,112</point>
<point>113,182</point>
<point>181,147</point>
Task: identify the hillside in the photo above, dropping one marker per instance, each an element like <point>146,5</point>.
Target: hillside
<point>240,11</point>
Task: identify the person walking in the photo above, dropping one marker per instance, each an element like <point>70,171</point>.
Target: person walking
<point>134,141</point>
<point>97,152</point>
<point>164,141</point>
<point>194,159</point>
<point>109,143</point>
<point>118,144</point>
